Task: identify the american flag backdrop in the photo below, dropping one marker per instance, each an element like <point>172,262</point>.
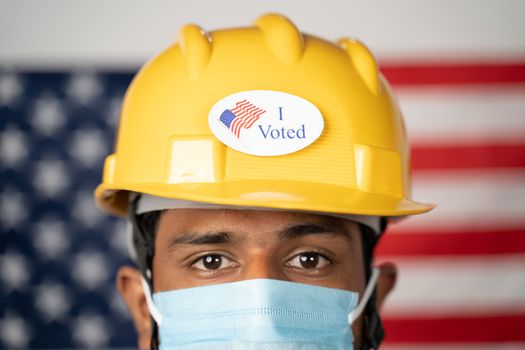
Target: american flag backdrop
<point>461,268</point>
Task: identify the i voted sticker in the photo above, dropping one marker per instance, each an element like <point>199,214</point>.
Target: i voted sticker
<point>265,123</point>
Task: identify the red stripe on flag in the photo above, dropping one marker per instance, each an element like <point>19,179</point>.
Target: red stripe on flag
<point>472,156</point>
<point>501,328</point>
<point>242,113</point>
<point>239,105</point>
<point>254,118</point>
<point>248,110</point>
<point>236,126</point>
<point>454,74</point>
<point>245,109</point>
<point>457,243</point>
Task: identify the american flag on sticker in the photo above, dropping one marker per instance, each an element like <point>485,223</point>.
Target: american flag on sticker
<point>242,116</point>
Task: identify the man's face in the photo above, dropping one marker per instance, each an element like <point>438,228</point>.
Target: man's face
<point>196,247</point>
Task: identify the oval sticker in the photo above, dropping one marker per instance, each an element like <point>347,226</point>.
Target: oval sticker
<point>265,123</point>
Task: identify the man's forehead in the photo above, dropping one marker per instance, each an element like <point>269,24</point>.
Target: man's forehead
<point>215,226</point>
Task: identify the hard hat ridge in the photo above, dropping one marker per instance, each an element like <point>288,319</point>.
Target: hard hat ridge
<point>195,46</point>
<point>282,37</point>
<point>364,62</point>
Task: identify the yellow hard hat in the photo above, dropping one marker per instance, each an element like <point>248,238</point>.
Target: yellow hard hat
<point>262,116</point>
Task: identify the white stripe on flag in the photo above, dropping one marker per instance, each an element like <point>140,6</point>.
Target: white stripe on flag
<point>463,115</point>
<point>469,199</point>
<point>457,286</point>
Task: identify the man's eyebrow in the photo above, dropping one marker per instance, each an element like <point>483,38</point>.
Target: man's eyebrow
<point>301,230</point>
<point>194,238</point>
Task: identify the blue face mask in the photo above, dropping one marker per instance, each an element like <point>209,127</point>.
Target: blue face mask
<point>257,314</point>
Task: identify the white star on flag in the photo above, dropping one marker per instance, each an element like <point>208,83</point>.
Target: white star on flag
<point>52,300</point>
<point>48,115</point>
<point>15,331</point>
<point>51,177</point>
<point>88,147</point>
<point>50,238</point>
<point>84,87</point>
<point>15,271</point>
<point>13,147</point>
<point>91,330</point>
<point>11,88</point>
<point>89,269</point>
<point>13,208</point>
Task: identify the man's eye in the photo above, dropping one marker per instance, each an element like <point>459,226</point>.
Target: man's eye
<point>309,260</point>
<point>212,262</point>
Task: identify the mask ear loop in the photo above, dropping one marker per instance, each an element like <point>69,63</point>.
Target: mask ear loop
<point>144,251</point>
<point>154,312</point>
<point>352,316</point>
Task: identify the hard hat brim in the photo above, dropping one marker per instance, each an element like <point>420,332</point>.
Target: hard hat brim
<point>286,195</point>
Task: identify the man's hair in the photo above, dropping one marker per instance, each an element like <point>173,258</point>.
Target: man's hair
<point>148,223</point>
<point>143,237</point>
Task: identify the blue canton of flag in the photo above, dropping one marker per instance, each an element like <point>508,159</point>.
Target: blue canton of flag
<point>59,254</point>
<point>227,117</point>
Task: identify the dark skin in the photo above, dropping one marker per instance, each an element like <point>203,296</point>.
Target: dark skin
<point>196,247</point>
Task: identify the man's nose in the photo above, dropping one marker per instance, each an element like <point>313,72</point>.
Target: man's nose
<point>262,265</point>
